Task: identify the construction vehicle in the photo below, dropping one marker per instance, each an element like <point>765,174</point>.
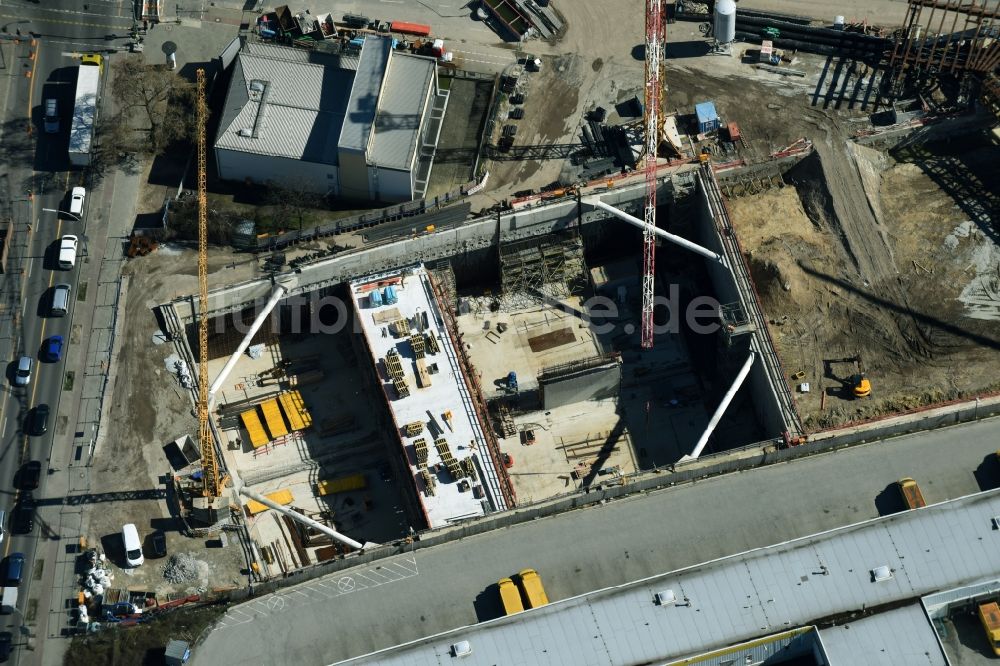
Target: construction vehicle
<point>857,383</point>
<point>912,497</point>
<point>510,597</point>
<point>531,588</point>
<point>989,616</point>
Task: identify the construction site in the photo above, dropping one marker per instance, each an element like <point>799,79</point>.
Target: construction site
<point>841,218</point>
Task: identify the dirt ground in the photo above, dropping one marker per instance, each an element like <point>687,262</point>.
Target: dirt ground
<point>131,458</point>
<point>922,331</point>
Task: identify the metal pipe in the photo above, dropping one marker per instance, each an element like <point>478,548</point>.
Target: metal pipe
<point>631,219</point>
<point>305,520</point>
<point>717,416</point>
<point>276,295</point>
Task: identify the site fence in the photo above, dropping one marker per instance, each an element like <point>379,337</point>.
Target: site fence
<point>410,209</point>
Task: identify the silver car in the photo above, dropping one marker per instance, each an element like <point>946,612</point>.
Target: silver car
<point>23,375</point>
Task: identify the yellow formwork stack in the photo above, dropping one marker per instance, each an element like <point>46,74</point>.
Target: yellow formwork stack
<point>295,410</point>
<point>273,418</point>
<point>255,429</point>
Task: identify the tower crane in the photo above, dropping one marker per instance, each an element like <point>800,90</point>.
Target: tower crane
<point>654,53</point>
<point>209,463</point>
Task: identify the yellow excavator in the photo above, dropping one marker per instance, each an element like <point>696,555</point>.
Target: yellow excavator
<point>858,383</point>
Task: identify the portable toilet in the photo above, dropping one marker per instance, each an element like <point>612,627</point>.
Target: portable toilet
<point>708,119</point>
<point>375,298</point>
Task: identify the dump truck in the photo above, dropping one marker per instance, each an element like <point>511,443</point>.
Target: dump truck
<point>81,131</point>
<point>510,597</point>
<point>989,615</point>
<point>532,589</point>
<point>912,497</point>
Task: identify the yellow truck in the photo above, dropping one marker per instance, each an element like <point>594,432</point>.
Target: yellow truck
<point>510,597</point>
<point>532,589</point>
<point>989,615</point>
<point>912,497</point>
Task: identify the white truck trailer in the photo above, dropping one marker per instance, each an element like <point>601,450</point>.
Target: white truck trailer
<point>81,132</point>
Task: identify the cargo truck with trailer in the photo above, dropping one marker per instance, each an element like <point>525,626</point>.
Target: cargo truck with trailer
<point>910,491</point>
<point>989,616</point>
<point>532,589</point>
<point>81,131</point>
<point>510,596</point>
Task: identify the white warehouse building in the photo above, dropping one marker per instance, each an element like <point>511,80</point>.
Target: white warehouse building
<point>358,127</point>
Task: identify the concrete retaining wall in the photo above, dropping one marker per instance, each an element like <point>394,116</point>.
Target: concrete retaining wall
<point>597,383</point>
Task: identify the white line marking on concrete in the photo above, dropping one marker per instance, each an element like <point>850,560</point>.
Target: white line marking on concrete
<point>278,602</point>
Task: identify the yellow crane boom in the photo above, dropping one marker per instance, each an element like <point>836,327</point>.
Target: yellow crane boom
<point>209,464</point>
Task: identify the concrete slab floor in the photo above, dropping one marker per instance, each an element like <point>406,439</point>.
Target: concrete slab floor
<point>494,354</point>
<point>300,460</point>
<point>590,434</point>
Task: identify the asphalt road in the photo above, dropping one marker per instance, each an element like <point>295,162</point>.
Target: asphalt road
<point>434,590</point>
<point>37,177</point>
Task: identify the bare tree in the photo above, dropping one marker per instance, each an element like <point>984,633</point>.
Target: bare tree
<point>154,106</point>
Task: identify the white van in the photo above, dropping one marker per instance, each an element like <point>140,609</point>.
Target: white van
<point>60,300</point>
<point>133,545</point>
<point>67,252</point>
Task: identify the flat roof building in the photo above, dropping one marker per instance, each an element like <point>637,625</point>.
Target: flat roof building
<point>361,127</point>
<point>869,593</point>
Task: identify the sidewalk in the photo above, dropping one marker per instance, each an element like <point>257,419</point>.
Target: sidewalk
<point>95,328</point>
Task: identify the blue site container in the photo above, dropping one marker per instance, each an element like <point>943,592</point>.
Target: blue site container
<point>375,298</point>
<point>357,42</point>
<point>708,119</point>
<point>389,295</point>
<point>266,34</point>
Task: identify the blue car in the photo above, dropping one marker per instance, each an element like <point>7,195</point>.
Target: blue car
<point>53,349</point>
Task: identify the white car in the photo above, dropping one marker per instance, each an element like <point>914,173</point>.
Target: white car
<point>76,200</point>
<point>133,545</point>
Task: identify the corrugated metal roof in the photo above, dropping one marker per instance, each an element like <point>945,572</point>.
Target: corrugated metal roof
<point>750,595</point>
<point>401,106</point>
<point>306,97</point>
<point>363,101</point>
<point>899,637</point>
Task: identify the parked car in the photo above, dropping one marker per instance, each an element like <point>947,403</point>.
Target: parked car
<point>24,514</point>
<point>22,377</point>
<point>133,545</point>
<point>14,570</point>
<point>76,200</point>
<point>31,473</point>
<point>6,639</point>
<point>53,348</point>
<point>158,541</point>
<point>38,420</point>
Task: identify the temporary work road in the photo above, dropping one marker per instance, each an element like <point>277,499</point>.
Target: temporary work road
<point>433,590</point>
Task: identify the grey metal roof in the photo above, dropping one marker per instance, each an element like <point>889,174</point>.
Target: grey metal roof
<point>745,596</point>
<point>401,107</point>
<point>299,111</point>
<point>899,637</point>
<point>363,101</point>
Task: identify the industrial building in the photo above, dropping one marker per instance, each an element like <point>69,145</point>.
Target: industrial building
<point>358,127</point>
<point>878,592</point>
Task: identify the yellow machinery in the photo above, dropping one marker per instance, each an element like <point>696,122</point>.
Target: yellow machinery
<point>857,384</point>
<point>282,497</point>
<point>210,465</point>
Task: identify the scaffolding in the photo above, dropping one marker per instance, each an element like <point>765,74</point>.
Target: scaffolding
<point>533,271</point>
<point>944,37</point>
